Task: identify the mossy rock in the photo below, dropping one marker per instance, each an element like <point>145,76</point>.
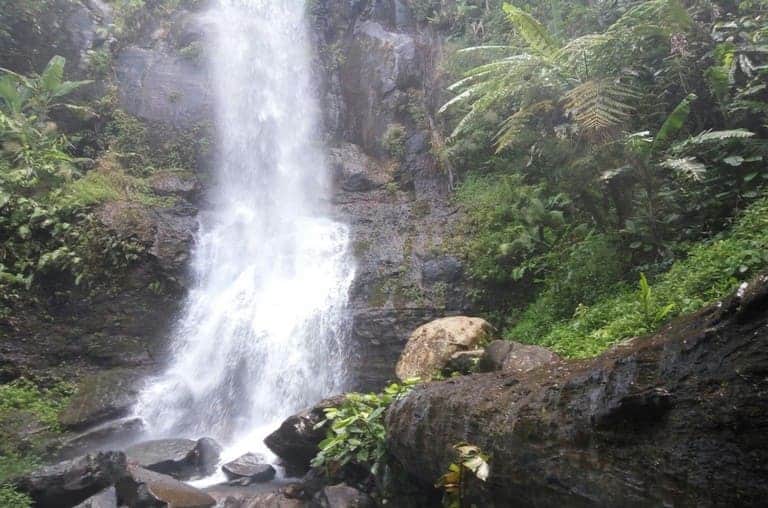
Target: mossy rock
<point>101,397</point>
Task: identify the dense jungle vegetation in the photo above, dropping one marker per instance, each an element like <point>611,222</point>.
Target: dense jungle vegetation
<point>601,144</point>
<point>610,156</point>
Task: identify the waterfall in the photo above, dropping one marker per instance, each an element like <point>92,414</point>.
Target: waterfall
<point>261,333</point>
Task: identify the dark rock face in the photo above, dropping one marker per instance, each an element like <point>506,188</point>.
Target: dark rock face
<point>161,86</point>
<point>144,488</point>
<point>677,419</point>
<point>250,468</point>
<point>342,496</point>
<point>71,482</point>
<point>297,438</point>
<point>396,204</point>
<point>180,458</point>
<point>166,232</point>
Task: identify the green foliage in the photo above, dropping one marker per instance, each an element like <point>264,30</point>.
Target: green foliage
<point>509,227</point>
<point>394,140</point>
<point>11,498</point>
<point>356,433</point>
<point>27,410</point>
<point>44,403</point>
<point>470,462</point>
<point>710,271</point>
<point>33,151</point>
<point>583,77</point>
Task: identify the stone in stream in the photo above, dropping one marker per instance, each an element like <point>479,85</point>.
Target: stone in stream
<point>145,488</point>
<point>73,481</point>
<point>297,438</point>
<point>342,496</point>
<point>182,459</point>
<point>107,498</point>
<point>250,468</point>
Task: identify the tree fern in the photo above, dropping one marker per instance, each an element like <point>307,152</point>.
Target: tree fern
<point>598,106</point>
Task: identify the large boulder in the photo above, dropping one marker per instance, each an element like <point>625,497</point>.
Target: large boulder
<point>431,346</point>
<point>514,357</point>
<point>145,488</point>
<point>175,183</point>
<point>298,436</point>
<point>180,458</point>
<point>676,419</point>
<point>73,481</point>
<point>158,85</point>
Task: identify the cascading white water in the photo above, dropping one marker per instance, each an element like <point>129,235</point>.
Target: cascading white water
<point>262,331</point>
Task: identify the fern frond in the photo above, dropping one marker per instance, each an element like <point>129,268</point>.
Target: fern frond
<point>600,105</point>
<point>475,49</point>
<point>587,49</point>
<point>465,96</point>
<point>532,32</point>
<point>687,166</point>
<point>653,17</point>
<point>512,127</point>
<point>711,137</point>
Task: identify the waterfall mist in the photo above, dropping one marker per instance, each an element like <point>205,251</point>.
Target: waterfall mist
<point>261,334</point>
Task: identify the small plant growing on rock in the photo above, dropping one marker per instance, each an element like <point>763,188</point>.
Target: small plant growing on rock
<point>357,435</point>
<point>653,313</point>
<point>394,141</point>
<point>470,462</point>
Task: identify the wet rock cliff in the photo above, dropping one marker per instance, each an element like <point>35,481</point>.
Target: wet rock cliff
<point>378,85</point>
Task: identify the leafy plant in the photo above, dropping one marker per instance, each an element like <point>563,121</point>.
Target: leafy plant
<point>652,312</point>
<point>33,149</point>
<point>394,140</point>
<point>470,462</point>
<point>356,432</point>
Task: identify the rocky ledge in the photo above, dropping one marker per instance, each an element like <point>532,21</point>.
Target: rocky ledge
<point>676,419</point>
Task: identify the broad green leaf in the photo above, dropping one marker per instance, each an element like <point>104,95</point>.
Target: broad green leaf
<point>53,74</point>
<point>673,123</point>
